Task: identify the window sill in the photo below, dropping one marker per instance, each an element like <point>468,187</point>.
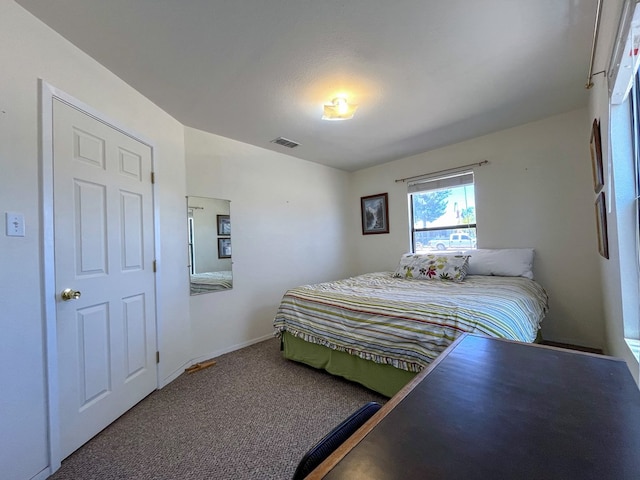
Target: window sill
<point>634,346</point>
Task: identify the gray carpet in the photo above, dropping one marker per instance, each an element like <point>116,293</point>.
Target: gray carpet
<point>251,416</point>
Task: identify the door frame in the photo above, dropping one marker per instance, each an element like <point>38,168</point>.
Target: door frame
<point>48,94</point>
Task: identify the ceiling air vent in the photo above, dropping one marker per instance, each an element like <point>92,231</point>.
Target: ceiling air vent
<point>285,142</point>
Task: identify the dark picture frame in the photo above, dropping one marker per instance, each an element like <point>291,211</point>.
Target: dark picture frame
<point>224,224</point>
<point>224,247</point>
<point>374,210</point>
<point>597,167</point>
<point>601,225</point>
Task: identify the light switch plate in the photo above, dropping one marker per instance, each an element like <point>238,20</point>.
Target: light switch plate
<point>15,224</point>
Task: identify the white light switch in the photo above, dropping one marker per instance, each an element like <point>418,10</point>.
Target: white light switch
<point>15,224</point>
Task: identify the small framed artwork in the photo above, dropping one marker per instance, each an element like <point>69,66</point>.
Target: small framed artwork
<point>375,214</point>
<point>596,156</point>
<point>601,225</point>
<point>224,225</point>
<point>224,248</point>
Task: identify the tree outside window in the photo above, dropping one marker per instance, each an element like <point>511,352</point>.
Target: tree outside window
<point>443,218</point>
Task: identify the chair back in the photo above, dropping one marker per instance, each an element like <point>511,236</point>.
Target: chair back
<point>336,437</point>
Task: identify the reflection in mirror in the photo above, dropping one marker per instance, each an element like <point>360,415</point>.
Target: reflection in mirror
<point>209,224</point>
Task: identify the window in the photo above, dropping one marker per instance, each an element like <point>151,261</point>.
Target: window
<point>627,192</point>
<point>635,128</point>
<point>621,178</point>
<point>443,213</point>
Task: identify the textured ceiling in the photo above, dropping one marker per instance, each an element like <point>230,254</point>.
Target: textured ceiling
<point>425,73</point>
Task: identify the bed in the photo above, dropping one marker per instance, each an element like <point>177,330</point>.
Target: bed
<point>380,329</point>
<point>211,281</point>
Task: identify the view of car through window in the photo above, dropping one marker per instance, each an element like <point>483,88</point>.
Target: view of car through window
<point>444,220</point>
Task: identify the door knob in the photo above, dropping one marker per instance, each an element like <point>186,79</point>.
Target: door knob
<point>68,294</point>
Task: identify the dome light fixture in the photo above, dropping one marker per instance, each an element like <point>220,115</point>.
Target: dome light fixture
<point>339,109</point>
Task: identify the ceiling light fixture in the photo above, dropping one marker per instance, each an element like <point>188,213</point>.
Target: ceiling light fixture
<point>339,109</point>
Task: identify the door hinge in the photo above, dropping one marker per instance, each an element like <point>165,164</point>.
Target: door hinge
<point>153,177</point>
<point>157,357</point>
<point>155,267</point>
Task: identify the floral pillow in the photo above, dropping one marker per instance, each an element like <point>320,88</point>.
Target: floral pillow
<point>404,267</point>
<point>432,267</point>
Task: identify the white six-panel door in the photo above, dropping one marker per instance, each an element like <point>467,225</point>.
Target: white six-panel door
<point>103,222</point>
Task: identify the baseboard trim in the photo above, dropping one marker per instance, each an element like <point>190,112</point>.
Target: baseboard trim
<point>175,374</point>
<point>230,349</point>
<point>46,473</point>
<point>570,346</point>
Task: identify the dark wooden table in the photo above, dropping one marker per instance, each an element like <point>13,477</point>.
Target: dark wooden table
<point>495,409</point>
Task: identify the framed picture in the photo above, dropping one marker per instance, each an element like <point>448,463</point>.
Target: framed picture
<point>224,248</point>
<point>375,214</point>
<point>601,225</point>
<point>596,157</point>
<point>224,225</point>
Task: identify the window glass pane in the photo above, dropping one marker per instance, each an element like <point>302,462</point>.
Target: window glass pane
<point>444,219</point>
<point>635,117</point>
<point>623,177</point>
<point>445,239</point>
<point>444,208</point>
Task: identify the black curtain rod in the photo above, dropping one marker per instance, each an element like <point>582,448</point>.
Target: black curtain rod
<point>447,170</point>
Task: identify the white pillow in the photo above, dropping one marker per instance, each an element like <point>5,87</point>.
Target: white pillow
<point>505,262</point>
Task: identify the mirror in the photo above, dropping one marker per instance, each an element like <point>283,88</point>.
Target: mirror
<point>209,229</point>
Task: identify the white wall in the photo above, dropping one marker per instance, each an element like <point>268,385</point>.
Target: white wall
<point>620,268</point>
<point>293,222</point>
<point>29,51</point>
<point>535,192</point>
<point>289,227</point>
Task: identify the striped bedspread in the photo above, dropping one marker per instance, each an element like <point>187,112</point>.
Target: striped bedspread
<point>408,323</point>
<point>211,281</point>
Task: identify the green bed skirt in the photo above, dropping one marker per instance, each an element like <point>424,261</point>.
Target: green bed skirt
<point>384,379</point>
